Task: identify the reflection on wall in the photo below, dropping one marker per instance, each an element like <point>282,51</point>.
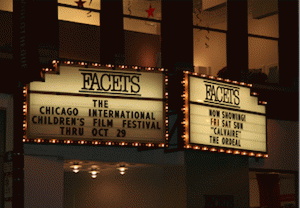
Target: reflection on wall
<point>210,50</point>
<point>140,187</point>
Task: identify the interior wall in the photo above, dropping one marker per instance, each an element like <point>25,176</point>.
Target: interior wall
<point>150,186</point>
<point>82,42</point>
<point>210,50</point>
<point>43,182</point>
<point>141,49</point>
<point>267,26</point>
<point>79,41</point>
<point>262,52</point>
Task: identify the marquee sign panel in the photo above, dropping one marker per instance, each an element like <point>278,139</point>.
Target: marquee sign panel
<point>223,116</point>
<point>87,104</point>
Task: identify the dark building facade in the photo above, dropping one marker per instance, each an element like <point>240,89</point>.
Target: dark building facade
<point>246,41</point>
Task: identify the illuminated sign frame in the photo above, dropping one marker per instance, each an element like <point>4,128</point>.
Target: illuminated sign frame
<point>83,66</point>
<point>206,104</point>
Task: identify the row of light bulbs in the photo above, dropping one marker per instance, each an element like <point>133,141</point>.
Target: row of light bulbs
<point>94,169</point>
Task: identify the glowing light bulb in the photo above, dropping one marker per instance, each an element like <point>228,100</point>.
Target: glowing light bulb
<point>122,169</point>
<point>75,167</point>
<point>94,170</point>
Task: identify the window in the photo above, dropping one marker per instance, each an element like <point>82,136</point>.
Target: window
<point>80,11</point>
<point>79,30</point>
<point>209,51</point>
<point>211,14</point>
<point>6,5</point>
<point>263,37</point>
<point>142,16</point>
<point>142,25</point>
<point>210,25</point>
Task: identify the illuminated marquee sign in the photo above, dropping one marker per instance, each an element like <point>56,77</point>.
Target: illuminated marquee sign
<point>98,104</point>
<point>222,116</point>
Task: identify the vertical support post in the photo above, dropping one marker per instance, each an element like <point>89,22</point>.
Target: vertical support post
<point>237,40</point>
<point>18,156</point>
<point>112,32</point>
<point>177,50</point>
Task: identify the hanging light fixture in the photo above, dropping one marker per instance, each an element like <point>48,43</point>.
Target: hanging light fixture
<point>122,169</point>
<point>94,170</point>
<point>75,167</point>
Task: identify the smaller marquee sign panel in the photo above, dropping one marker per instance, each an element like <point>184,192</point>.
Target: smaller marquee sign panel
<point>98,105</point>
<point>223,116</point>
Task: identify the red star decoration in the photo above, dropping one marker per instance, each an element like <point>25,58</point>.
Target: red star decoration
<point>80,3</point>
<point>150,11</point>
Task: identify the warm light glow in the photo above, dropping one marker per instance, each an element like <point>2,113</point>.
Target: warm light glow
<point>75,167</point>
<point>94,170</point>
<point>122,169</point>
<point>201,115</point>
<point>266,155</point>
